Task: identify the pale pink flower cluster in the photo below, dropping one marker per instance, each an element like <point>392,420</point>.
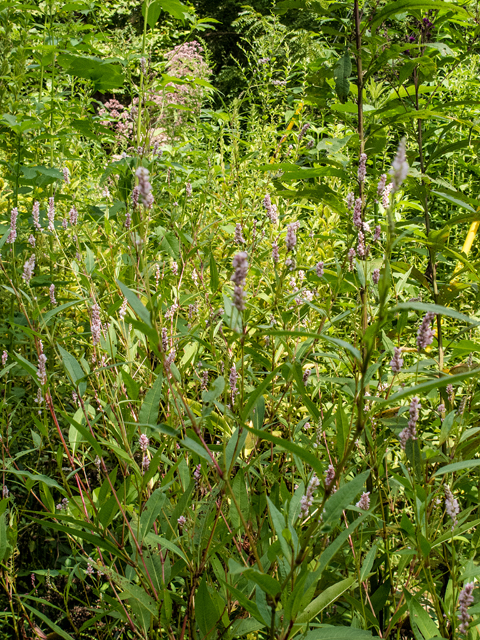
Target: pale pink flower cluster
<point>12,236</point>
<point>307,500</point>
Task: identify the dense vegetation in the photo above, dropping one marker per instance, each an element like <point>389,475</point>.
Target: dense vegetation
<point>240,320</point>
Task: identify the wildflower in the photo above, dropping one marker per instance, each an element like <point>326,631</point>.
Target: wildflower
<point>36,215</point>
<point>52,294</point>
<point>291,238</point>
<point>239,296</point>
<point>362,167</point>
<point>232,379</point>
<point>381,184</point>
<point>51,214</point>
<point>4,358</point>
<point>89,567</point>
<point>143,64</point>
<point>357,213</point>
<point>39,398</point>
<point>465,599</point>
<point>144,187</point>
<point>350,200</point>
<point>329,475</point>
<point>361,251</point>
<point>164,339</point>
<point>145,463</point>
<point>95,324</point>
<point>73,215</point>
<point>66,175</point>
<point>28,269</point>
<point>319,269</point>
<point>306,375</point>
<point>240,264</point>
<point>275,252</point>
<point>307,500</point>
<point>441,410</point>
<point>400,168</point>
<point>386,195</point>
<point>174,268</point>
<point>461,407</point>
<point>197,473</point>
<point>188,190</point>
<point>364,502</point>
<point>12,236</point>
<point>303,131</point>
<point>205,379</point>
<point>123,309</point>
<point>135,196</point>
<point>351,257</point>
<point>41,369</point>
<point>143,442</point>
<point>376,276</point>
<point>5,491</point>
<point>451,506</point>
<point>397,361</point>
<point>31,240</point>
<point>239,239</point>
<point>410,431</point>
<point>271,209</point>
<point>450,392</point>
<point>182,521</point>
<point>377,233</point>
<point>425,334</point>
<point>128,221</point>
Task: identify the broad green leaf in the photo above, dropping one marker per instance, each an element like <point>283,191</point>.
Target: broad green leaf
<point>368,563</point>
<point>342,498</point>
<point>457,466</point>
<point>53,312</point>
<point>3,536</point>
<point>338,633</point>
<point>174,7</point>
<point>407,6</point>
<point>150,406</point>
<point>152,539</point>
<point>325,599</point>
<point>136,304</point>
<point>264,581</point>
<point>435,308</point>
<point>206,613</point>
<point>74,370</point>
<point>342,72</point>
<point>58,631</point>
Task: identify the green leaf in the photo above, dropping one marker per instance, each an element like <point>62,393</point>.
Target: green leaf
<point>368,563</point>
<point>457,466</point>
<point>151,511</point>
<point>424,387</point>
<point>214,280</point>
<point>206,613</point>
<point>3,536</point>
<point>153,539</point>
<point>338,543</point>
<point>150,406</point>
<point>325,599</point>
<point>58,630</point>
<point>343,497</point>
<point>53,312</point>
<point>342,72</point>
<point>279,525</point>
<point>74,370</point>
<point>253,397</point>
<point>264,581</point>
<point>435,308</point>
<point>136,304</point>
<point>97,541</point>
<point>168,242</point>
<point>35,477</point>
<point>302,453</point>
<point>407,6</point>
<point>338,633</point>
<point>173,7</point>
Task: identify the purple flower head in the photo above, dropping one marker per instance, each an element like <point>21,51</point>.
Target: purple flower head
<point>377,233</point>
<point>143,442</point>
<point>307,500</point>
<point>239,239</point>
<point>425,334</point>
<point>381,184</point>
<point>240,264</point>
<point>362,167</point>
<point>12,236</point>
<point>400,168</point>
<point>350,200</point>
<point>329,475</point>
<point>357,213</point>
<point>41,369</point>
<point>144,187</point>
<point>303,131</point>
<point>410,431</point>
<point>351,257</point>
<point>28,269</point>
<point>364,502</point>
<point>95,324</point>
<point>291,238</point>
<point>275,252</point>
<point>376,276</point>
<point>465,599</point>
<point>319,269</point>
<point>52,294</point>
<point>451,506</point>
<point>73,215</point>
<point>36,215</point>
<point>361,251</point>
<point>51,214</point>
<point>232,379</point>
<point>397,361</point>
